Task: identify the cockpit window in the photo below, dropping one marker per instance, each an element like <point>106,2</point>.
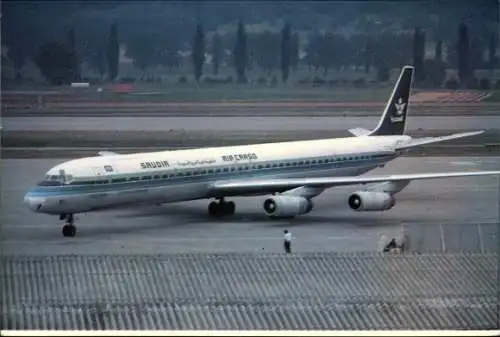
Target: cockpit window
<point>50,180</point>
<point>55,180</point>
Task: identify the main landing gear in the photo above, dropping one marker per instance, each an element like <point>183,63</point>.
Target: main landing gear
<point>69,228</point>
<point>221,208</point>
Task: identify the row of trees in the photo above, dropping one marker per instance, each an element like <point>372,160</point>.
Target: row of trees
<point>59,62</point>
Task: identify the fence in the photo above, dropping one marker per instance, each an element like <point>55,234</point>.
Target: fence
<point>250,291</point>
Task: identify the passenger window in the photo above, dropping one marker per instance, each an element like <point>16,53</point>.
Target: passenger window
<point>134,178</point>
<point>268,165</point>
<point>281,165</point>
<point>226,169</point>
<point>146,178</point>
<point>275,165</point>
<point>188,174</point>
<point>217,170</point>
<point>204,172</point>
<point>210,171</point>
<point>301,163</point>
<point>246,168</point>
<point>260,167</point>
<point>240,168</point>
<point>233,168</point>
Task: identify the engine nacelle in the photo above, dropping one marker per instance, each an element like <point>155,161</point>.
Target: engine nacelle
<point>371,201</point>
<point>285,206</point>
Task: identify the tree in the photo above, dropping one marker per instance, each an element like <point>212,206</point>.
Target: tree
<point>463,54</point>
<point>314,44</point>
<point>240,53</point>
<point>113,52</point>
<point>285,52</point>
<point>438,54</point>
<point>56,62</point>
<point>168,46</point>
<point>477,47</point>
<point>435,69</point>
<point>382,53</point>
<point>17,55</point>
<point>144,50</point>
<point>72,47</point>
<point>266,51</point>
<point>419,53</point>
<point>368,54</point>
<point>198,52</point>
<point>100,62</point>
<point>216,53</point>
<point>294,51</point>
<point>492,48</point>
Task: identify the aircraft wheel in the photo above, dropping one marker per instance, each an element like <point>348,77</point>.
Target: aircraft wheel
<point>214,208</point>
<point>229,207</point>
<point>69,230</point>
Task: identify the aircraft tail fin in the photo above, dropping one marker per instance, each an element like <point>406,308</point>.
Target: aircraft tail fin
<point>393,121</point>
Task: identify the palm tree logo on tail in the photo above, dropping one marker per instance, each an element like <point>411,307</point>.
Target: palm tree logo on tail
<point>399,113</point>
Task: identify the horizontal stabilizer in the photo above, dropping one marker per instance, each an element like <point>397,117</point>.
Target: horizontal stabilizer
<point>107,153</point>
<point>359,131</point>
<point>430,140</point>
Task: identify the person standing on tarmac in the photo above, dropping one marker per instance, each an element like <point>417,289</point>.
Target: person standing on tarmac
<point>287,241</point>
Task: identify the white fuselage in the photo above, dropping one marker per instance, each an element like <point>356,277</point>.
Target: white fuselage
<point>104,182</point>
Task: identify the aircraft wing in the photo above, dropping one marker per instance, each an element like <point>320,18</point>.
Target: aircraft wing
<point>256,186</point>
<point>359,131</point>
<point>107,153</point>
<point>429,140</point>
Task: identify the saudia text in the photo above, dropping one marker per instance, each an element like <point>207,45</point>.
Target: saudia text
<point>154,164</point>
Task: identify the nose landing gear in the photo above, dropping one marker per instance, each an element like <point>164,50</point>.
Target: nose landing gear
<point>69,228</point>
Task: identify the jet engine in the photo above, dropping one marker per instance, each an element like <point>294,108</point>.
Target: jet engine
<point>285,206</point>
<point>371,201</point>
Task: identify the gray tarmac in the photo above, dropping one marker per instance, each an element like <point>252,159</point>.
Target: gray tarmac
<point>235,123</point>
<point>449,215</point>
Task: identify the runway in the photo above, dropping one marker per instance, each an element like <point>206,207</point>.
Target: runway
<point>449,214</point>
<point>235,123</point>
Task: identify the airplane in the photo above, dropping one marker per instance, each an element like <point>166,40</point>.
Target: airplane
<point>290,173</point>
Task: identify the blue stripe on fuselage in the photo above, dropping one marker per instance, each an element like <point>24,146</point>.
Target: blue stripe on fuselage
<point>43,191</point>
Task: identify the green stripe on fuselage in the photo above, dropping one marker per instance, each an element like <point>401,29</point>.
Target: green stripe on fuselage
<point>366,161</point>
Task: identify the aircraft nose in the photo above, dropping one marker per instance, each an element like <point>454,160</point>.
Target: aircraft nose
<point>33,203</point>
